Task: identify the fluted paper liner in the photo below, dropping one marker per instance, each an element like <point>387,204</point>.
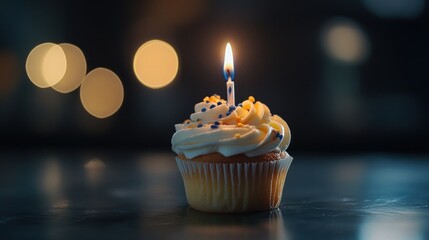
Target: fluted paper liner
<point>234,187</point>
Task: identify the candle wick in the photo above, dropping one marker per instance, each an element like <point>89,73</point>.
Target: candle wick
<point>228,72</point>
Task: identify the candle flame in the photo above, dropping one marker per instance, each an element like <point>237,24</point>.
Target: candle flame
<point>228,64</point>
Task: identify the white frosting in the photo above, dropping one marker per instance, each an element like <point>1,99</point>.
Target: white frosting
<point>213,127</point>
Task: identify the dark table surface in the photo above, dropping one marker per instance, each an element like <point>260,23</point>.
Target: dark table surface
<point>125,195</point>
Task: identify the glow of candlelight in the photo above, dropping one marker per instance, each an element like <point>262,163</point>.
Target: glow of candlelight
<point>228,64</point>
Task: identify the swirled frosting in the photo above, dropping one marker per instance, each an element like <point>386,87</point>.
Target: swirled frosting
<point>248,128</point>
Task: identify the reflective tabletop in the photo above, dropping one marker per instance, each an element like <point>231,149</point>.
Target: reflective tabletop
<point>140,195</point>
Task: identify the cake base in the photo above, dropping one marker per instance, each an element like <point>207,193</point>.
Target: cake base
<point>240,186</point>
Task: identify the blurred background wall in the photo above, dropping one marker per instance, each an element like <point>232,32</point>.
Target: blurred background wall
<point>346,75</point>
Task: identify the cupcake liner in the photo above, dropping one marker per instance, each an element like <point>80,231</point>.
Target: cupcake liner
<point>234,187</point>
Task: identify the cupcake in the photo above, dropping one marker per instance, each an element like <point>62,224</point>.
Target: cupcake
<point>232,158</point>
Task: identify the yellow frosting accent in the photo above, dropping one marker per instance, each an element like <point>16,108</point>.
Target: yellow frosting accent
<point>237,135</point>
<point>206,99</point>
<point>247,104</point>
<point>255,115</point>
<point>252,99</point>
<point>267,115</point>
<point>241,112</point>
<point>213,99</point>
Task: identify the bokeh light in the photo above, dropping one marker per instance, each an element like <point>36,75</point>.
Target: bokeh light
<point>76,69</point>
<point>9,72</point>
<point>156,64</point>
<point>46,65</point>
<point>101,93</point>
<point>345,41</point>
<point>94,171</point>
<point>392,223</point>
<point>94,164</point>
<point>54,65</point>
<point>34,63</point>
<point>50,178</point>
<point>395,8</point>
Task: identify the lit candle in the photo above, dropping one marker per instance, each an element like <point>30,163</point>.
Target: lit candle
<point>228,72</point>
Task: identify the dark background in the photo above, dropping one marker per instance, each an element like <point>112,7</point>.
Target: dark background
<point>374,102</point>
